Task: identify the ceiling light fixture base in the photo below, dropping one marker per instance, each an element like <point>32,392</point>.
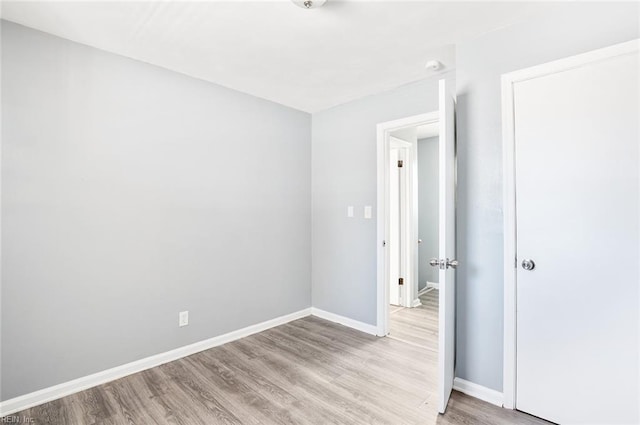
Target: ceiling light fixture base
<point>309,4</point>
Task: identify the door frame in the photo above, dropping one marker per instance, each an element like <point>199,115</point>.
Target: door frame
<point>407,152</point>
<point>509,194</point>
<point>383,147</point>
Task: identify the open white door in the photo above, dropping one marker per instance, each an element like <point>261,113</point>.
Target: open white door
<point>447,247</point>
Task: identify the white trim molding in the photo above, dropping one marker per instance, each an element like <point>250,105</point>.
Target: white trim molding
<point>45,395</point>
<point>430,286</point>
<point>346,321</point>
<point>416,303</point>
<point>509,193</point>
<point>478,391</point>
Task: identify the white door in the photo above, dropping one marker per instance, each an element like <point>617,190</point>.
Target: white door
<point>399,227</point>
<point>447,246</point>
<point>578,246</point>
<point>395,227</point>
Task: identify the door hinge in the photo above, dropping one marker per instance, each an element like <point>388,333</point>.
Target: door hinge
<point>401,281</point>
<point>400,163</point>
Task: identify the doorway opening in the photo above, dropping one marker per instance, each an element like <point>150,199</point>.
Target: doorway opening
<point>403,266</point>
<point>400,281</point>
<point>413,234</point>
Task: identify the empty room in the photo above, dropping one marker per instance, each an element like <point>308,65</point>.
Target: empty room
<point>319,212</point>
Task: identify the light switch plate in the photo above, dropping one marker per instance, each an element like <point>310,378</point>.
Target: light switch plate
<point>183,318</point>
<point>350,211</point>
<point>367,211</point>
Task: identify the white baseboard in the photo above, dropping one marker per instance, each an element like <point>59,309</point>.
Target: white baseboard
<point>45,395</point>
<point>429,287</point>
<point>355,324</point>
<point>478,391</point>
<point>416,303</point>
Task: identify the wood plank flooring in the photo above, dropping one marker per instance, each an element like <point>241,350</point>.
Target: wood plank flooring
<point>417,326</point>
<point>309,371</point>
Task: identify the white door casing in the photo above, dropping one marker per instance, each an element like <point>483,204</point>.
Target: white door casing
<point>397,240</point>
<point>572,192</point>
<point>447,247</point>
<point>403,218</point>
<point>394,236</point>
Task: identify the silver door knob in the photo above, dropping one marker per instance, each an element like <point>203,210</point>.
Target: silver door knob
<point>528,264</point>
<point>452,263</point>
<point>419,240</point>
<point>434,262</point>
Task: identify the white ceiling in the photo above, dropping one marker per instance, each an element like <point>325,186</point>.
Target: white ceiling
<point>306,59</point>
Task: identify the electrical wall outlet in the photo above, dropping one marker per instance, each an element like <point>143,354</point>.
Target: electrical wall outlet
<point>350,211</point>
<point>183,318</point>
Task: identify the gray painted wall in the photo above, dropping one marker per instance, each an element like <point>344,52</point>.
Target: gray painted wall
<point>130,193</point>
<point>572,29</point>
<point>99,151</point>
<point>344,173</point>
<point>427,209</point>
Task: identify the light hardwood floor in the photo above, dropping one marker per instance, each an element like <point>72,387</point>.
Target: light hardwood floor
<point>309,371</point>
<point>417,326</point>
